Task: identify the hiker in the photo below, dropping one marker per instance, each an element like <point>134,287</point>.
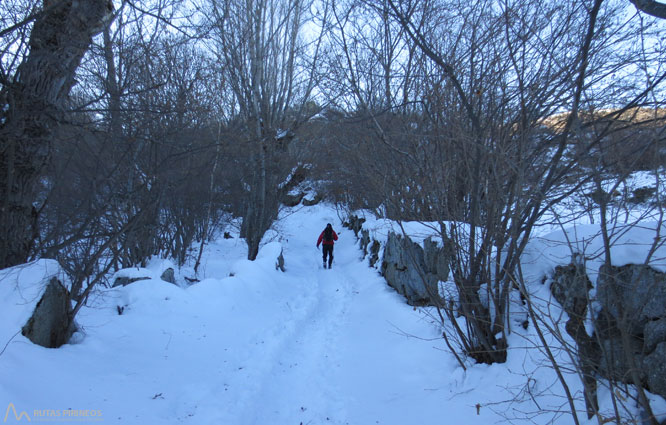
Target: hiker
<point>327,236</point>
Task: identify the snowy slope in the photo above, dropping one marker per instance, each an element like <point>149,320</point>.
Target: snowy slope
<point>308,346</point>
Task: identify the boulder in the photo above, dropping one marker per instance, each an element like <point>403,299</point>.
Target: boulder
<point>293,199</point>
<point>633,304</point>
<point>126,280</point>
<point>413,270</point>
<point>630,327</point>
<point>51,322</point>
<point>642,194</point>
<point>168,275</point>
<point>124,277</point>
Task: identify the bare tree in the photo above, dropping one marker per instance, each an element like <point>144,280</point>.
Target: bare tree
<point>270,68</point>
<point>125,180</point>
<point>33,100</point>
<point>505,70</point>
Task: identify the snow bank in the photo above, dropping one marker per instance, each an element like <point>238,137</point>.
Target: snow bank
<point>251,345</point>
<point>631,244</point>
<point>380,228</point>
<point>21,287</point>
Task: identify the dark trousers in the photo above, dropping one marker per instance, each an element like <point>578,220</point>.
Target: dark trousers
<point>327,250</point>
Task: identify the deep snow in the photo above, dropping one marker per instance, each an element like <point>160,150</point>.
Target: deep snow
<point>252,345</point>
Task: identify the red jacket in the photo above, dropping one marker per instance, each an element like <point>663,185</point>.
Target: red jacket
<point>321,237</point>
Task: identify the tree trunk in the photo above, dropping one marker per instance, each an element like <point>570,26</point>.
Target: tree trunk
<point>651,7</point>
<point>34,108</point>
<point>255,217</point>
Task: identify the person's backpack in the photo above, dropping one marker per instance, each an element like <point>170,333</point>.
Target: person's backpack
<point>328,234</point>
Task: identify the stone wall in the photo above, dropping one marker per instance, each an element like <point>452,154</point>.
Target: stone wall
<point>412,269</point>
<point>632,323</point>
<point>629,340</point>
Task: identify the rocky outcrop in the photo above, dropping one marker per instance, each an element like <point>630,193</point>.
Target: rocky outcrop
<point>654,333</point>
<point>412,269</point>
<point>629,341</point>
<point>634,293</point>
<point>293,199</point>
<point>51,323</point>
<point>436,259</point>
<point>415,270</point>
<point>570,288</point>
<point>403,268</point>
<point>364,240</point>
<point>309,200</point>
<point>632,324</point>
<point>373,255</point>
<point>291,191</point>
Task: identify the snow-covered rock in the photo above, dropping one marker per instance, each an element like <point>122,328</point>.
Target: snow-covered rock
<point>35,302</point>
<point>634,292</point>
<point>168,276</point>
<point>570,286</point>
<point>124,277</point>
<point>250,345</point>
<point>312,198</point>
<point>157,269</point>
<point>630,331</point>
<point>415,270</point>
<point>51,323</point>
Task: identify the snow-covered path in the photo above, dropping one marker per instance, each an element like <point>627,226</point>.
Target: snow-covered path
<point>252,345</point>
<point>338,356</point>
<point>309,346</point>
